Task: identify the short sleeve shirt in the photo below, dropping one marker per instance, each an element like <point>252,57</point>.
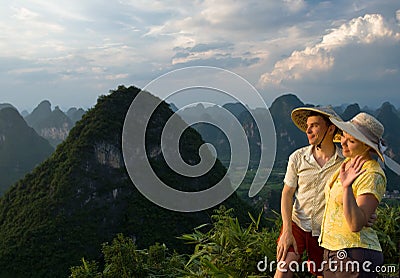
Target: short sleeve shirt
<point>304,173</point>
<point>335,233</point>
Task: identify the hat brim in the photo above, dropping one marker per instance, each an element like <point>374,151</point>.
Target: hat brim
<point>351,129</point>
<point>300,115</point>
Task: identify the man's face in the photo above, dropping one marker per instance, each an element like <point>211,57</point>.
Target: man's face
<point>316,128</point>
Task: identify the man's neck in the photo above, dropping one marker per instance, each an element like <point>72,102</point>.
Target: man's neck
<point>324,153</point>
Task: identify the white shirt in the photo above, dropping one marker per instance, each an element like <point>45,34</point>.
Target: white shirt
<point>304,173</point>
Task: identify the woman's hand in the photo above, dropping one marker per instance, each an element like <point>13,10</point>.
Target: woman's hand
<point>349,173</point>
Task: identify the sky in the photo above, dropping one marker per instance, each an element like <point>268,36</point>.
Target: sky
<point>325,52</point>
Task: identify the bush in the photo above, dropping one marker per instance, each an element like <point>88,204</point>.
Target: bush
<point>223,248</point>
<point>124,260</point>
<point>228,250</point>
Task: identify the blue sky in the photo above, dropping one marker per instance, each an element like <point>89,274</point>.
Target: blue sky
<point>325,52</point>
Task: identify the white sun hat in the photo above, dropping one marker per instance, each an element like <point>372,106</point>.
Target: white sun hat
<point>364,128</point>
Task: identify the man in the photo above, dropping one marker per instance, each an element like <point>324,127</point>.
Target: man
<point>307,172</point>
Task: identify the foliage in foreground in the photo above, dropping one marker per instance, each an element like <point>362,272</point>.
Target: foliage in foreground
<point>229,250</point>
<point>123,260</point>
<point>222,249</point>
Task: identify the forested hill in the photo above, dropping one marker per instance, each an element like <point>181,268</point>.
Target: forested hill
<point>21,148</point>
<point>81,196</point>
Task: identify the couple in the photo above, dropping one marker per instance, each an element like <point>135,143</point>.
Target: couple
<point>330,194</point>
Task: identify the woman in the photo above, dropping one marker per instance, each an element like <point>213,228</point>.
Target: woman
<point>352,195</point>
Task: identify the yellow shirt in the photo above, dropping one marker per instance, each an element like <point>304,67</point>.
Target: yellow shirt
<point>335,233</point>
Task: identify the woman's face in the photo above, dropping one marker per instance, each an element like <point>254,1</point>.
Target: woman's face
<point>352,147</point>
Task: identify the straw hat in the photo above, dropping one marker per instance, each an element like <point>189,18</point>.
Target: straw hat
<point>300,115</point>
<point>364,128</point>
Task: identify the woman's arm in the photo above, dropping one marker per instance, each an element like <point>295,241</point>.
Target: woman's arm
<point>357,211</point>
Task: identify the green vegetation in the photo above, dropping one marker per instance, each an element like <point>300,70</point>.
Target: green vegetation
<point>124,260</point>
<point>227,249</point>
<point>224,250</point>
<point>82,196</point>
<point>21,148</point>
<point>80,203</point>
<point>269,197</point>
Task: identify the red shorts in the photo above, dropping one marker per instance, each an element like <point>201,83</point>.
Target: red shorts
<point>306,242</point>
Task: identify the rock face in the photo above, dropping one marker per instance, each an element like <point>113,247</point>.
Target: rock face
<point>82,196</point>
<point>21,148</point>
<point>108,155</point>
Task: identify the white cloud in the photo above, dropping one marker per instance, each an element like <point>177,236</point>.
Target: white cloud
<point>362,30</point>
<point>116,76</point>
<point>31,22</point>
<point>24,14</point>
<point>321,57</point>
<point>218,12</point>
<point>295,5</point>
<point>106,42</point>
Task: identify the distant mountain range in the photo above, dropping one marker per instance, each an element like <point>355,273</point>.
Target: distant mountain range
<point>53,125</point>
<point>81,196</point>
<point>289,137</point>
<point>26,142</point>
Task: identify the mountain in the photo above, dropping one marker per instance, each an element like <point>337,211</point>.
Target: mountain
<point>39,114</point>
<point>6,105</point>
<point>21,148</point>
<point>75,114</point>
<point>350,111</point>
<point>289,137</point>
<point>173,107</point>
<point>82,196</point>
<point>51,125</point>
<point>210,133</point>
<point>235,108</point>
<point>387,115</point>
<point>24,113</point>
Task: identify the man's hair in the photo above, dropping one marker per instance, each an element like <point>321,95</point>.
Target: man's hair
<point>324,117</point>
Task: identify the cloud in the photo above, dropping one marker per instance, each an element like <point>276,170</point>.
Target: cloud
<point>96,45</point>
<point>218,54</point>
<point>32,20</point>
<point>295,5</point>
<point>357,33</point>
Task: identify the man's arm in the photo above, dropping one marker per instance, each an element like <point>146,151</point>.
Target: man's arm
<point>286,239</point>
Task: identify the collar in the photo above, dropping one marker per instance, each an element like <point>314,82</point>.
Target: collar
<point>308,155</point>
